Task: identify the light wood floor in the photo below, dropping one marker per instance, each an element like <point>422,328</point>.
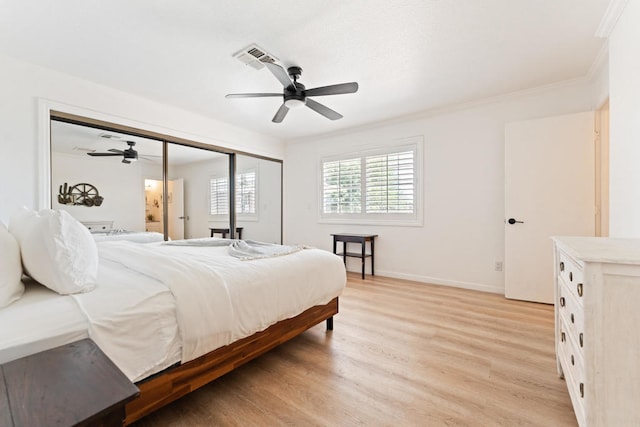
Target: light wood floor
<point>401,354</point>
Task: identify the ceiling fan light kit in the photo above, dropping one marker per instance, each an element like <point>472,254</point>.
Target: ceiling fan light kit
<point>295,95</point>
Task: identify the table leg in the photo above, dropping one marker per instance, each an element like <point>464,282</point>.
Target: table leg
<point>364,251</point>
<point>372,255</point>
<point>344,252</point>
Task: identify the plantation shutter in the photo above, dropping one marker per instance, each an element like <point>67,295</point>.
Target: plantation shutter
<point>341,190</point>
<point>246,193</point>
<point>219,196</point>
<point>390,183</point>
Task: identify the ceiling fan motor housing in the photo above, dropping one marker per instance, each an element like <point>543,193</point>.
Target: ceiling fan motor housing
<point>293,94</point>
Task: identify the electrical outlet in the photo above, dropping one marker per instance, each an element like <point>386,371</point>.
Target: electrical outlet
<point>498,266</point>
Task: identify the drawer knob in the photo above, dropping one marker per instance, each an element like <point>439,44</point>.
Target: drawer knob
<point>573,320</point>
<point>561,266</point>
<point>563,337</point>
<point>581,389</point>
<point>579,289</point>
<point>573,361</point>
<point>581,339</point>
<point>561,301</point>
<point>571,276</point>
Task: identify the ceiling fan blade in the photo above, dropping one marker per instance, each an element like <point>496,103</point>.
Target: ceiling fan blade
<point>104,154</point>
<point>282,111</point>
<point>338,89</point>
<point>279,73</point>
<point>251,95</point>
<point>126,161</point>
<point>322,109</point>
<point>113,150</point>
<point>150,158</point>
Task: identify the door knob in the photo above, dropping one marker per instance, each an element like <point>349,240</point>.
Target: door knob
<point>514,221</point>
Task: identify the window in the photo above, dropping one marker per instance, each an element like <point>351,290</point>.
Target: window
<point>245,194</point>
<point>219,196</point>
<point>376,186</point>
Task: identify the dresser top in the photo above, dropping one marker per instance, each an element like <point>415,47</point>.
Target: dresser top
<point>601,249</point>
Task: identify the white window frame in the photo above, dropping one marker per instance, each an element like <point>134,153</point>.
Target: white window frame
<point>396,219</point>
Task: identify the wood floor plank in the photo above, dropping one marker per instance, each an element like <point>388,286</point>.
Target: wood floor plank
<point>401,353</point>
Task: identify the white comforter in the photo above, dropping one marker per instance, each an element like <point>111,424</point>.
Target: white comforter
<point>221,299</point>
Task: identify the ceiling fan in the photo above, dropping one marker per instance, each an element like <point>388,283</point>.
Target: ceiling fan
<point>128,155</point>
<point>296,95</point>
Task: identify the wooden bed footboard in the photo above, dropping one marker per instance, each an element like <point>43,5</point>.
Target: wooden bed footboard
<point>178,381</point>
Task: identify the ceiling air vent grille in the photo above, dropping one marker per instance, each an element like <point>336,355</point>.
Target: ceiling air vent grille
<point>109,136</point>
<point>254,57</point>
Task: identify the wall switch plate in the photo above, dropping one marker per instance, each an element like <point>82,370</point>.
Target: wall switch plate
<point>498,266</point>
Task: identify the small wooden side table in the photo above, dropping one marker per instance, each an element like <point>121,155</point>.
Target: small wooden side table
<point>225,231</point>
<point>355,238</point>
<point>72,385</point>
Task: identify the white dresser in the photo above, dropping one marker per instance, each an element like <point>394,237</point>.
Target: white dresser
<point>597,313</point>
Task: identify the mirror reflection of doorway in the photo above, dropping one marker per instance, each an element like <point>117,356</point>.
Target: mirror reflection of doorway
<point>154,218</point>
<point>153,205</point>
<point>175,204</point>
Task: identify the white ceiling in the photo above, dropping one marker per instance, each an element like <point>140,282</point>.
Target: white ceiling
<point>408,56</point>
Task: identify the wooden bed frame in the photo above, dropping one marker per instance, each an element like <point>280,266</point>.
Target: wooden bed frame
<point>173,383</point>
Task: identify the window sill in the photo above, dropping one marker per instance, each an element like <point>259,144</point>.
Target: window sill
<point>366,221</point>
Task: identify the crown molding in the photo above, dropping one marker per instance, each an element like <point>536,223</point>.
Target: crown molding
<point>600,61</point>
<point>610,18</point>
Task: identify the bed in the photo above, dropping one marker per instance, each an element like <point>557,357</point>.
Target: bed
<point>174,316</point>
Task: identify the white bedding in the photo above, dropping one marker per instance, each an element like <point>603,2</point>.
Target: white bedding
<point>132,236</point>
<point>132,319</point>
<point>155,305</point>
<point>221,299</point>
<point>130,316</point>
<point>40,320</point>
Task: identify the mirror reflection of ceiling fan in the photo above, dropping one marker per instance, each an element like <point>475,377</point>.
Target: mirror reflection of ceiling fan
<point>128,155</point>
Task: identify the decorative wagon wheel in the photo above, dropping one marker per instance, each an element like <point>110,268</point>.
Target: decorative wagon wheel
<point>84,194</point>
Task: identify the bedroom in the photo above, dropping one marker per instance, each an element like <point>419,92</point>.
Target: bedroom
<point>463,234</point>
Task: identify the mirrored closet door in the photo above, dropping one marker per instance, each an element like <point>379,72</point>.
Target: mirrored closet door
<point>114,180</point>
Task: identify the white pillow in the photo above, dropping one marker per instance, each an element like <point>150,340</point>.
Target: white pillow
<point>56,250</point>
<point>11,288</point>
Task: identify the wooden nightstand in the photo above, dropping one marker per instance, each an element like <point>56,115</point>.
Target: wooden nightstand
<point>75,384</point>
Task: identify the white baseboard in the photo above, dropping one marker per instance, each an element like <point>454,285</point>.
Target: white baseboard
<point>439,281</point>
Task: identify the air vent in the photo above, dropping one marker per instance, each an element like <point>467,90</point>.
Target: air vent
<point>84,150</point>
<point>109,136</point>
<point>254,57</point>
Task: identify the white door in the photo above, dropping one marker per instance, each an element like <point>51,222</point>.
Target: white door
<point>550,190</point>
<point>176,209</point>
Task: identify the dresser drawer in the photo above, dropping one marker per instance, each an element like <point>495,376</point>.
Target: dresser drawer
<point>572,362</point>
<point>571,272</point>
<point>571,311</point>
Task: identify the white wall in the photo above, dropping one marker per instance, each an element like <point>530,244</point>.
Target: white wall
<point>463,232</point>
<point>23,84</point>
<point>121,185</point>
<point>624,83</point>
<point>266,226</point>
